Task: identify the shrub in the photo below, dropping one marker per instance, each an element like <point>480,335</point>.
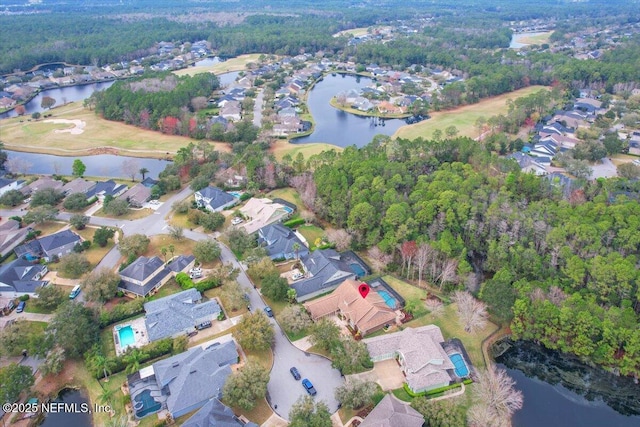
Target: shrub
<point>207,284</point>
<point>184,281</point>
<point>245,196</point>
<point>121,312</point>
<point>294,222</point>
<point>24,298</point>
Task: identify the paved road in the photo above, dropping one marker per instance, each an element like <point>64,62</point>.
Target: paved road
<point>257,109</point>
<point>604,169</point>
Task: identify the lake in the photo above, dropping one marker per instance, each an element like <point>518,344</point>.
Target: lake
<point>335,126</point>
<point>103,165</point>
<point>560,390</point>
<point>66,419</point>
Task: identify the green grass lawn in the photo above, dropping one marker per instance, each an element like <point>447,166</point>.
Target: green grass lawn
<point>32,306</point>
<point>412,295</point>
<point>169,288</point>
<point>289,194</point>
<point>402,394</point>
<point>311,233</point>
<point>95,253</point>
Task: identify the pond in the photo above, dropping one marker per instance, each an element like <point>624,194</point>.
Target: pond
<point>337,127</point>
<point>560,390</point>
<point>68,418</point>
<point>103,165</point>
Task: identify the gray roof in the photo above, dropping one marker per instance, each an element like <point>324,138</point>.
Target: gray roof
<point>178,313</point>
<point>390,412</point>
<point>57,240</point>
<point>137,195</point>
<point>326,269</point>
<point>215,414</point>
<point>106,188</point>
<point>278,239</point>
<point>144,270</point>
<point>217,196</point>
<point>20,276</point>
<point>141,268</point>
<point>196,375</point>
<point>180,263</point>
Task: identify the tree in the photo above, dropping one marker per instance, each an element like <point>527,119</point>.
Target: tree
<point>143,172</point>
<point>294,319</point>
<point>101,285</point>
<point>102,235</point>
<point>12,198</point>
<point>115,207</point>
<point>308,413</point>
<point>103,363</point>
<point>130,167</point>
<point>74,265</point>
<point>79,221</point>
<point>500,294</point>
<point>134,245</point>
<point>212,221</point>
<point>495,398</point>
<point>627,170</point>
<point>78,168</point>
<point>46,196</point>
<point>40,214</point>
<point>240,241</point>
<point>350,356</point>
<point>20,110</point>
<point>274,287</point>
<point>246,386</point>
<point>254,332</point>
<point>176,232</point>
<point>233,294</point>
<point>471,312</point>
<point>20,336</point>
<point>36,115</point>
<point>206,250</point>
<point>74,328</point>
<point>325,334</point>
<point>133,358</point>
<point>75,202</point>
<point>47,102</point>
<point>54,362</point>
<point>442,413</point>
<point>355,393</point>
<point>50,297</point>
<point>14,379</point>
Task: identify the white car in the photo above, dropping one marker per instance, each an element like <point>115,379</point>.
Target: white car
<point>237,220</point>
<point>154,202</point>
<point>297,276</point>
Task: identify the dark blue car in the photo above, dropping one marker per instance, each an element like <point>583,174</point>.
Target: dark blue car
<point>309,387</point>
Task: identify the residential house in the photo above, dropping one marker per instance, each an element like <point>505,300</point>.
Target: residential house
<point>216,414</point>
<point>324,269</point>
<point>78,185</point>
<point>137,195</point>
<point>545,149</point>
<point>287,112</point>
<point>262,212</point>
<point>528,164</point>
<point>420,353</point>
<point>214,199</point>
<point>363,104</point>
<point>145,275</point>
<point>55,245</point>
<point>281,242</point>
<point>231,111</point>
<point>42,183</point>
<point>6,102</point>
<point>11,235</point>
<point>391,412</point>
<point>182,383</point>
<point>21,277</point>
<point>106,188</point>
<point>386,107</point>
<point>7,185</point>
<point>364,315</point>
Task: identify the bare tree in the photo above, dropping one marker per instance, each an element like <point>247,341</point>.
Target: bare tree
<point>434,306</point>
<point>495,399</point>
<point>341,238</point>
<point>378,258</point>
<point>306,187</point>
<point>199,103</point>
<point>408,250</point>
<point>471,312</point>
<point>448,272</point>
<point>130,167</point>
<point>17,165</point>
<point>423,254</point>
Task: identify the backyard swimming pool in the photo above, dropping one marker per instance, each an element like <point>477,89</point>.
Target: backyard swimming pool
<point>235,193</point>
<point>461,368</point>
<point>127,337</point>
<point>388,299</point>
<point>358,270</point>
<point>145,404</point>
<point>287,209</point>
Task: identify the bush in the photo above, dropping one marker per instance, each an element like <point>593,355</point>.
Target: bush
<point>121,312</point>
<point>152,351</point>
<point>184,281</point>
<point>435,391</point>
<point>245,196</point>
<point>207,284</point>
<point>294,222</point>
<point>24,298</point>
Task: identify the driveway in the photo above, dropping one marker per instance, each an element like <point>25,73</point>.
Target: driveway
<point>257,109</point>
<point>604,169</point>
<point>386,373</point>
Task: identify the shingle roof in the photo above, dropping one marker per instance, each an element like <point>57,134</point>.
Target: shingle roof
<point>109,187</point>
<point>195,375</point>
<point>177,313</point>
<point>78,185</point>
<point>57,240</point>
<point>390,412</point>
<point>144,270</point>
<point>215,414</point>
<point>326,269</point>
<point>137,195</point>
<point>278,239</point>
<point>366,313</point>
<point>218,197</point>
<point>141,268</point>
<point>426,362</point>
<point>20,276</point>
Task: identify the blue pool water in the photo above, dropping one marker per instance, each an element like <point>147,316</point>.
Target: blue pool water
<point>126,336</point>
<point>235,193</point>
<point>358,270</point>
<point>461,368</point>
<point>145,404</point>
<point>287,209</point>
<point>388,299</point>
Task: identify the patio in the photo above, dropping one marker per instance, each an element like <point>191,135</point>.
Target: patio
<point>140,337</point>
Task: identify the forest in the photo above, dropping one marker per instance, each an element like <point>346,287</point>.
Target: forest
<point>562,271</point>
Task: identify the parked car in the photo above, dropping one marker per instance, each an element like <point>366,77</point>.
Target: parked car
<point>295,373</point>
<point>204,325</point>
<point>237,220</point>
<point>246,297</point>
<point>297,275</point>
<point>309,387</point>
<point>268,310</point>
<point>192,333</point>
<point>21,306</point>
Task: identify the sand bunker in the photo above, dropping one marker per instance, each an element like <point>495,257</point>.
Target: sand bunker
<point>77,129</point>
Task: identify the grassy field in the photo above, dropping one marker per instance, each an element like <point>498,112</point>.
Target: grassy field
<point>49,227</point>
<point>282,147</point>
<point>95,253</point>
<point>538,39</point>
<point>130,215</point>
<point>354,32</point>
<point>463,118</point>
<point>234,64</point>
<point>99,137</point>
<point>311,233</point>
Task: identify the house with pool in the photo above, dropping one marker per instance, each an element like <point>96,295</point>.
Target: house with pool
<point>183,383</point>
<point>262,212</point>
<point>146,275</point>
<point>426,360</point>
<point>363,315</point>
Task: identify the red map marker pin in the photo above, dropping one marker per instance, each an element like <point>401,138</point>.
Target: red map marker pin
<point>364,290</point>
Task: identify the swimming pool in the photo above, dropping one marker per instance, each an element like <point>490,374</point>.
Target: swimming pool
<point>235,193</point>
<point>388,299</point>
<point>358,270</point>
<point>287,209</point>
<point>461,368</point>
<point>145,404</point>
<point>127,337</point>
